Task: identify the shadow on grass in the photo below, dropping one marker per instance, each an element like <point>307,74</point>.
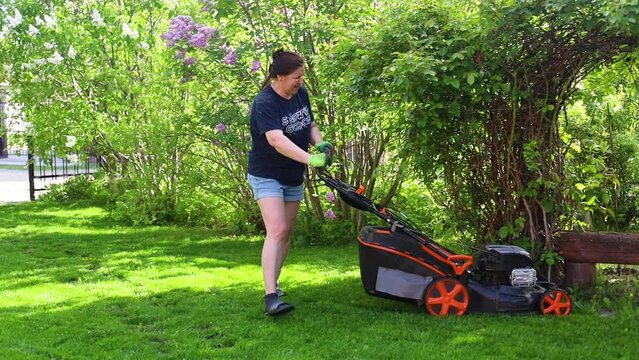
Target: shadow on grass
<point>333,320</point>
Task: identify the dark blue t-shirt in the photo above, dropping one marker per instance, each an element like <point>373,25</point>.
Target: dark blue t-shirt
<point>270,111</point>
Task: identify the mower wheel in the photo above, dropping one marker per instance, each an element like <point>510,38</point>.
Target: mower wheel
<point>446,296</point>
<point>555,302</point>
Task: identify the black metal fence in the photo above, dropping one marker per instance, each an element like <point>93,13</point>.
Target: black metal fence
<point>3,126</point>
<point>53,169</point>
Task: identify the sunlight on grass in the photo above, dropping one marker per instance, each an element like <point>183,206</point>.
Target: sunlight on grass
<point>76,284</point>
<point>468,339</point>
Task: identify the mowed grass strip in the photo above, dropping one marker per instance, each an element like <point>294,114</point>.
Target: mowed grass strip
<point>75,284</point>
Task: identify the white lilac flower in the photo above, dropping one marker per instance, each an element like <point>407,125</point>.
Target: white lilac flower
<point>5,32</point>
<point>7,67</point>
<point>49,45</point>
<point>39,21</point>
<point>27,66</point>
<point>33,30</point>
<point>50,21</point>
<point>55,59</point>
<point>29,129</point>
<point>71,141</point>
<point>287,12</point>
<point>71,53</point>
<point>126,31</point>
<point>144,46</point>
<point>15,20</point>
<point>97,19</point>
<point>72,158</point>
<point>171,4</point>
<point>40,61</point>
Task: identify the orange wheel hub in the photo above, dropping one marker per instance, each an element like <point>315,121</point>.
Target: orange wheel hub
<point>446,296</point>
<point>555,302</point>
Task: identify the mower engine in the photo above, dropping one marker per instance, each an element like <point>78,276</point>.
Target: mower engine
<point>504,281</point>
<point>505,265</point>
<point>523,277</point>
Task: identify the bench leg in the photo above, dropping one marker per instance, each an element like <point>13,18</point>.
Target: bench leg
<point>580,273</point>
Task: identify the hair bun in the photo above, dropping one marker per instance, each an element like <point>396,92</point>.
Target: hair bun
<point>277,53</point>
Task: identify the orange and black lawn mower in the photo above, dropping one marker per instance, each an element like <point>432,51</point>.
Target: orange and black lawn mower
<point>397,261</point>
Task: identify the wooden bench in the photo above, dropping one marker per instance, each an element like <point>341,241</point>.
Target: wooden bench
<point>583,250</point>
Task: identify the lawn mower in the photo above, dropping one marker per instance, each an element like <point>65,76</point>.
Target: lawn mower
<point>397,261</point>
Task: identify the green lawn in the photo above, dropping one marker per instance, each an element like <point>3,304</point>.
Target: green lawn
<point>74,284</point>
<point>13,167</point>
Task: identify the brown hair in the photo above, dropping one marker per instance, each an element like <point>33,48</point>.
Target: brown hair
<point>284,63</point>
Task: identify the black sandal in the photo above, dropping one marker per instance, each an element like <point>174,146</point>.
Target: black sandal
<point>279,307</point>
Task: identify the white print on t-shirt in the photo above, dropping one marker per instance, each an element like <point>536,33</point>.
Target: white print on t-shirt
<point>297,121</point>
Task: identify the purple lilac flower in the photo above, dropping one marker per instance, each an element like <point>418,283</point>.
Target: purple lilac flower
<point>180,28</point>
<point>330,196</point>
<point>230,58</point>
<point>220,128</point>
<point>183,28</point>
<point>202,37</point>
<point>189,61</point>
<point>257,65</point>
<point>329,214</point>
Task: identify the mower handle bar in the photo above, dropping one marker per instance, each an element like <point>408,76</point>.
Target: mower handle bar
<point>356,199</point>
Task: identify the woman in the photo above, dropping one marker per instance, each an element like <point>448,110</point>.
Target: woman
<point>282,128</point>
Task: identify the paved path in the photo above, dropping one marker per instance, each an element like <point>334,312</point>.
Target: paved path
<point>14,178</point>
<point>14,184</point>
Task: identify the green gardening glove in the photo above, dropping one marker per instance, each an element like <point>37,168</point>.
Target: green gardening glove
<point>322,145</point>
<point>318,160</point>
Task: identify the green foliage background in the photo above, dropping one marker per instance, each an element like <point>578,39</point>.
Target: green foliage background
<point>483,120</point>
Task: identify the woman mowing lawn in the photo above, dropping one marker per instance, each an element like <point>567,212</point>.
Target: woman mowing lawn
<point>282,127</point>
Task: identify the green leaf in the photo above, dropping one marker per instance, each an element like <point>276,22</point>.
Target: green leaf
<point>470,78</point>
<point>548,204</point>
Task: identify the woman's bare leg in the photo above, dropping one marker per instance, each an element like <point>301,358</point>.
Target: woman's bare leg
<point>279,217</point>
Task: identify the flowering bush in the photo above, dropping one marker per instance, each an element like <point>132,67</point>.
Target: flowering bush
<point>161,90</point>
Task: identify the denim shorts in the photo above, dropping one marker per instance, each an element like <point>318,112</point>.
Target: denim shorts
<point>265,187</point>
